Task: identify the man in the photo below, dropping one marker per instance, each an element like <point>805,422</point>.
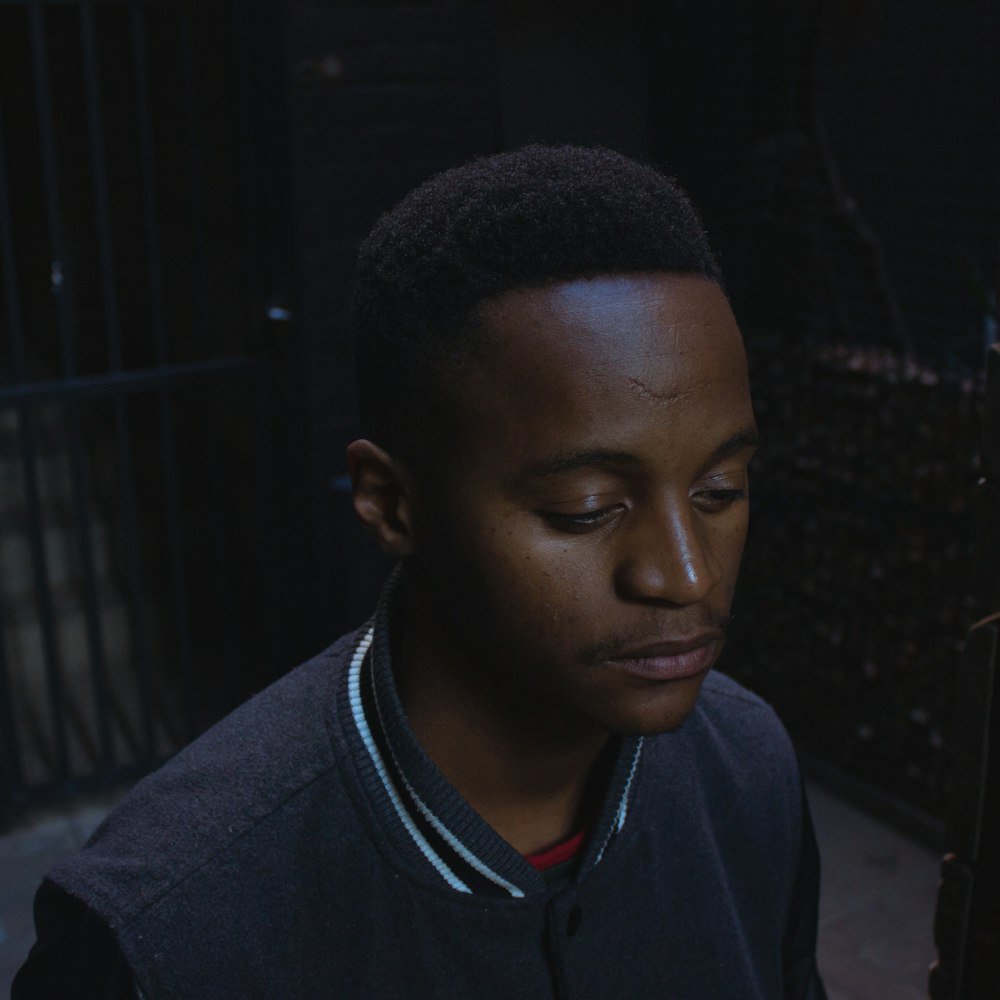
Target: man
<point>521,778</point>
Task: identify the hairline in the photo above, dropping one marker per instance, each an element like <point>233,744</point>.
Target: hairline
<point>472,350</point>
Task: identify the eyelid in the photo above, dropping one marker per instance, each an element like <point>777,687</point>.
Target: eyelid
<point>728,492</point>
<point>579,503</point>
<point>720,499</point>
<point>724,486</point>
<point>582,521</point>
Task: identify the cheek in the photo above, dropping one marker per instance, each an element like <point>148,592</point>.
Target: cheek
<point>564,600</point>
<point>541,596</point>
<point>729,544</point>
<point>510,576</point>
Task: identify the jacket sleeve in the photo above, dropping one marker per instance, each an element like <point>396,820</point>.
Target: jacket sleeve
<point>75,954</point>
<point>801,973</point>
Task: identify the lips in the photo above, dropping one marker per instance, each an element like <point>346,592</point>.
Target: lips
<point>669,660</point>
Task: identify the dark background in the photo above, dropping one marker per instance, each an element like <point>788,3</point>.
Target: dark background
<point>845,156</point>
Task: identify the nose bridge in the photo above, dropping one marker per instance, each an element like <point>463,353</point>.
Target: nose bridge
<point>690,546</point>
<point>669,557</point>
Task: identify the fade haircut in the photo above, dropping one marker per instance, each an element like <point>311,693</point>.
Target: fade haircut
<point>524,219</point>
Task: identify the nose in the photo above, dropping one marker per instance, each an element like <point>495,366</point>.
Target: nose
<point>667,557</point>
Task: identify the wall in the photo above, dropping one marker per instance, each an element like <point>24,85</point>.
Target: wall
<point>383,96</point>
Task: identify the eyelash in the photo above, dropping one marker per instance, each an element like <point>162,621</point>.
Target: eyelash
<point>723,498</point>
<point>718,500</point>
<point>581,522</point>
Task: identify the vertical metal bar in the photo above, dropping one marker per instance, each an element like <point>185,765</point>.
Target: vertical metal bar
<point>43,593</point>
<point>61,276</point>
<point>246,81</point>
<point>11,760</point>
<point>197,202</point>
<point>158,311</point>
<point>95,127</point>
<point>123,449</point>
<point>53,662</point>
<point>216,499</point>
<point>11,769</point>
<point>68,328</point>
<point>7,262</point>
<point>220,538</point>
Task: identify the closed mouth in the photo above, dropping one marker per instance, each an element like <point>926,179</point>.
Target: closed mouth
<point>669,647</point>
<point>669,660</point>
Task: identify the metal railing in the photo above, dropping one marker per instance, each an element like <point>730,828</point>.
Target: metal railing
<point>967,916</point>
<point>124,221</point>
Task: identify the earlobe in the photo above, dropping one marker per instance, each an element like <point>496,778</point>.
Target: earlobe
<point>380,485</point>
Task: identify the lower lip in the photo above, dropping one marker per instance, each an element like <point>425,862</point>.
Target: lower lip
<point>669,668</point>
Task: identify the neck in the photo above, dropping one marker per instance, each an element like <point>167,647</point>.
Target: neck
<point>536,776</point>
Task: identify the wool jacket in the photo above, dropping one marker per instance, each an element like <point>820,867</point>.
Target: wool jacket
<point>307,847</point>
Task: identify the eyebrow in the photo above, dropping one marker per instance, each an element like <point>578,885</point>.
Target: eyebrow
<point>592,458</point>
<point>742,440</point>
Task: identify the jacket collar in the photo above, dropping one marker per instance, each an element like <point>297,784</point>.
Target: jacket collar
<point>426,818</point>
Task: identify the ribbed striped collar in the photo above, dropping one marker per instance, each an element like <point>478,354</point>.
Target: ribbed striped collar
<point>429,822</point>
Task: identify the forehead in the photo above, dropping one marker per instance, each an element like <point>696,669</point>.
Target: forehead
<point>603,359</point>
<point>602,320</point>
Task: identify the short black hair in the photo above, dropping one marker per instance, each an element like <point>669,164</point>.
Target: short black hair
<point>522,219</point>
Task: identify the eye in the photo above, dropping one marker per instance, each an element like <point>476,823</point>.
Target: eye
<point>581,523</point>
<point>714,501</point>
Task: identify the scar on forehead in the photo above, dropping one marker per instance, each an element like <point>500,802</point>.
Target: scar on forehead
<point>643,391</point>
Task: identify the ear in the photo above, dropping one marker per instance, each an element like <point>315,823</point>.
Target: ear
<point>381,490</point>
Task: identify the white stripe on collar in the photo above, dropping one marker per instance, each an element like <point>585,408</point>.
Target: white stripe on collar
<point>452,841</point>
<point>354,695</point>
<point>436,854</point>
<point>623,805</point>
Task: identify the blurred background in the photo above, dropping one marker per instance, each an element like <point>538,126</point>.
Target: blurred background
<point>183,187</point>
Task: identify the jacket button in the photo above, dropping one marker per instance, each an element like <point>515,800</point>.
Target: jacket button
<point>573,922</point>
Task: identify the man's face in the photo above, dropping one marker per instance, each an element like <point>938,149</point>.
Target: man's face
<point>582,543</point>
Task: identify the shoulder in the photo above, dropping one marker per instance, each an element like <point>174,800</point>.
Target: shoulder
<point>733,737</point>
<point>213,794</point>
<point>737,713</point>
<point>728,777</point>
<point>720,694</point>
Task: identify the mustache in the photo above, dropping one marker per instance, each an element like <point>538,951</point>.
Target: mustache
<point>609,647</point>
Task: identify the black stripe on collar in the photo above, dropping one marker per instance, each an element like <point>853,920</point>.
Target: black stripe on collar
<point>429,820</point>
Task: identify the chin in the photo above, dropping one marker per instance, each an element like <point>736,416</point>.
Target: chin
<point>648,727</point>
<point>662,709</point>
